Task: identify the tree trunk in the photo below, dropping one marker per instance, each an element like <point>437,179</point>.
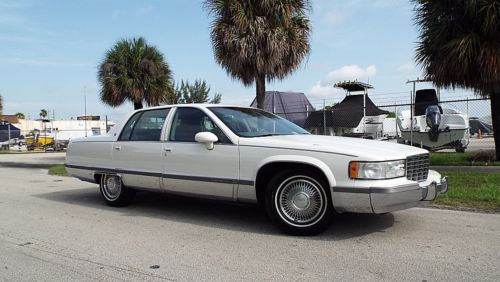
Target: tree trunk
<point>495,119</point>
<point>138,105</point>
<point>260,82</point>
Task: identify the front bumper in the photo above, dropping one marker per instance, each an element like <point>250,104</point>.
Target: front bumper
<point>383,199</point>
<point>397,198</point>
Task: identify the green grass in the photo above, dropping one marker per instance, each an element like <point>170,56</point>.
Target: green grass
<point>478,190</point>
<point>58,170</point>
<point>438,158</point>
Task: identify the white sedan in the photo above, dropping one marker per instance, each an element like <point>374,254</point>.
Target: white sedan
<point>248,155</point>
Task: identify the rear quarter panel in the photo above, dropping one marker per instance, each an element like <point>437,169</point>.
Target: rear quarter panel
<point>89,155</point>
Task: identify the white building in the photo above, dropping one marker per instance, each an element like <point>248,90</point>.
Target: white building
<point>64,130</point>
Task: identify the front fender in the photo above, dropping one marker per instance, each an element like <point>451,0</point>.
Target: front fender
<point>302,160</point>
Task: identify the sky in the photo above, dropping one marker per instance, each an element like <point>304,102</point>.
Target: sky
<point>50,51</point>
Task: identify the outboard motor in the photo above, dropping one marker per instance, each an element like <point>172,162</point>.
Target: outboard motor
<point>433,119</point>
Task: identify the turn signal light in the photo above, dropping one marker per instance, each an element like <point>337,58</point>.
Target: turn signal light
<point>353,170</point>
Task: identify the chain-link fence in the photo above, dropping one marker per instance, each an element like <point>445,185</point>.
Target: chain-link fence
<point>459,124</point>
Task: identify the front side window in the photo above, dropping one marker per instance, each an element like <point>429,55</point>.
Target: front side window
<point>145,126</point>
<point>189,121</point>
<point>248,122</point>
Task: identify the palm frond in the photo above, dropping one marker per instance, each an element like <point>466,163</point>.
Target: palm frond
<point>459,42</point>
<point>266,37</point>
<point>136,72</point>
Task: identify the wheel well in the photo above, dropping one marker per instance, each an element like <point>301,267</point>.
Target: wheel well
<point>269,170</point>
<point>97,178</point>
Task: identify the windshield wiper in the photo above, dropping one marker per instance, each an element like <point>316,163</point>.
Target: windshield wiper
<point>271,134</point>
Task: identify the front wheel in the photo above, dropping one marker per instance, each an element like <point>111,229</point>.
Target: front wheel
<point>298,203</point>
<point>114,192</point>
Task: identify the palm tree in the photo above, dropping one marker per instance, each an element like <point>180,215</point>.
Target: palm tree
<point>259,40</point>
<point>459,46</point>
<point>134,71</point>
<point>20,116</point>
<point>1,106</point>
<point>43,113</point>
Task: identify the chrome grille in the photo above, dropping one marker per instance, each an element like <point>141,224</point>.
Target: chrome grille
<point>417,167</point>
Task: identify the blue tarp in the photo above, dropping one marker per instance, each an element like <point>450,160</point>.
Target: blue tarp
<point>4,132</point>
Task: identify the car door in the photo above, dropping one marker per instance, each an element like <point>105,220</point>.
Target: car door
<point>190,167</point>
<point>137,154</point>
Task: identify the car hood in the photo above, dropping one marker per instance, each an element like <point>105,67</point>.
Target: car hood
<point>356,147</point>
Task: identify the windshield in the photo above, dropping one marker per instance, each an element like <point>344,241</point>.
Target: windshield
<point>247,122</point>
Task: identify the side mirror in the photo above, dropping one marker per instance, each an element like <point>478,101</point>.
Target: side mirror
<point>208,138</point>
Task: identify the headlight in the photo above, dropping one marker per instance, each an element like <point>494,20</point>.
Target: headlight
<point>377,170</point>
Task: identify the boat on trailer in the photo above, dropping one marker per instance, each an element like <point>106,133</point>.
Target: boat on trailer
<point>433,127</point>
<point>355,116</point>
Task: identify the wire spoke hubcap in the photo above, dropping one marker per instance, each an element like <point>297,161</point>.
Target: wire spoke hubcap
<point>112,186</point>
<point>300,201</point>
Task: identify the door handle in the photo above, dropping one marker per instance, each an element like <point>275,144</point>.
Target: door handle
<point>118,148</point>
<point>166,151</point>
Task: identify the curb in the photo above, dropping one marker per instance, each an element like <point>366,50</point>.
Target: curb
<point>491,169</point>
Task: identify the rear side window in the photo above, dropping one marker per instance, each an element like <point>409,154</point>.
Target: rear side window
<point>145,126</point>
<point>127,129</point>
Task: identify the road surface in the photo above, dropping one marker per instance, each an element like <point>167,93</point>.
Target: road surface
<point>58,228</point>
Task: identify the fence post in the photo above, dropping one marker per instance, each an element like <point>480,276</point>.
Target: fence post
<point>396,119</point>
<point>467,106</point>
<point>324,118</point>
<point>274,107</point>
<point>8,126</point>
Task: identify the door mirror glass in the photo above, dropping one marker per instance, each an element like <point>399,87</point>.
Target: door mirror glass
<point>208,138</point>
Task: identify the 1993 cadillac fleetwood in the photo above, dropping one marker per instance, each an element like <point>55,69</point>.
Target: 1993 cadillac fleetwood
<point>248,155</point>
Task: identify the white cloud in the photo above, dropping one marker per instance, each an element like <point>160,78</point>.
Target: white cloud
<point>334,18</point>
<point>351,72</point>
<point>406,68</point>
<point>324,88</point>
<point>320,90</point>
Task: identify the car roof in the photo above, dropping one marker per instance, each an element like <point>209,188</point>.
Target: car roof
<point>194,105</point>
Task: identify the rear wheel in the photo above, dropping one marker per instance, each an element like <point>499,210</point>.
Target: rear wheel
<point>114,192</point>
<point>298,203</point>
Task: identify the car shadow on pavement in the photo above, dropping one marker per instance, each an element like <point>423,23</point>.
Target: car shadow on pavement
<point>219,214</point>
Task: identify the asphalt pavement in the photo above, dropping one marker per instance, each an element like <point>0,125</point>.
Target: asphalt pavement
<point>58,228</point>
